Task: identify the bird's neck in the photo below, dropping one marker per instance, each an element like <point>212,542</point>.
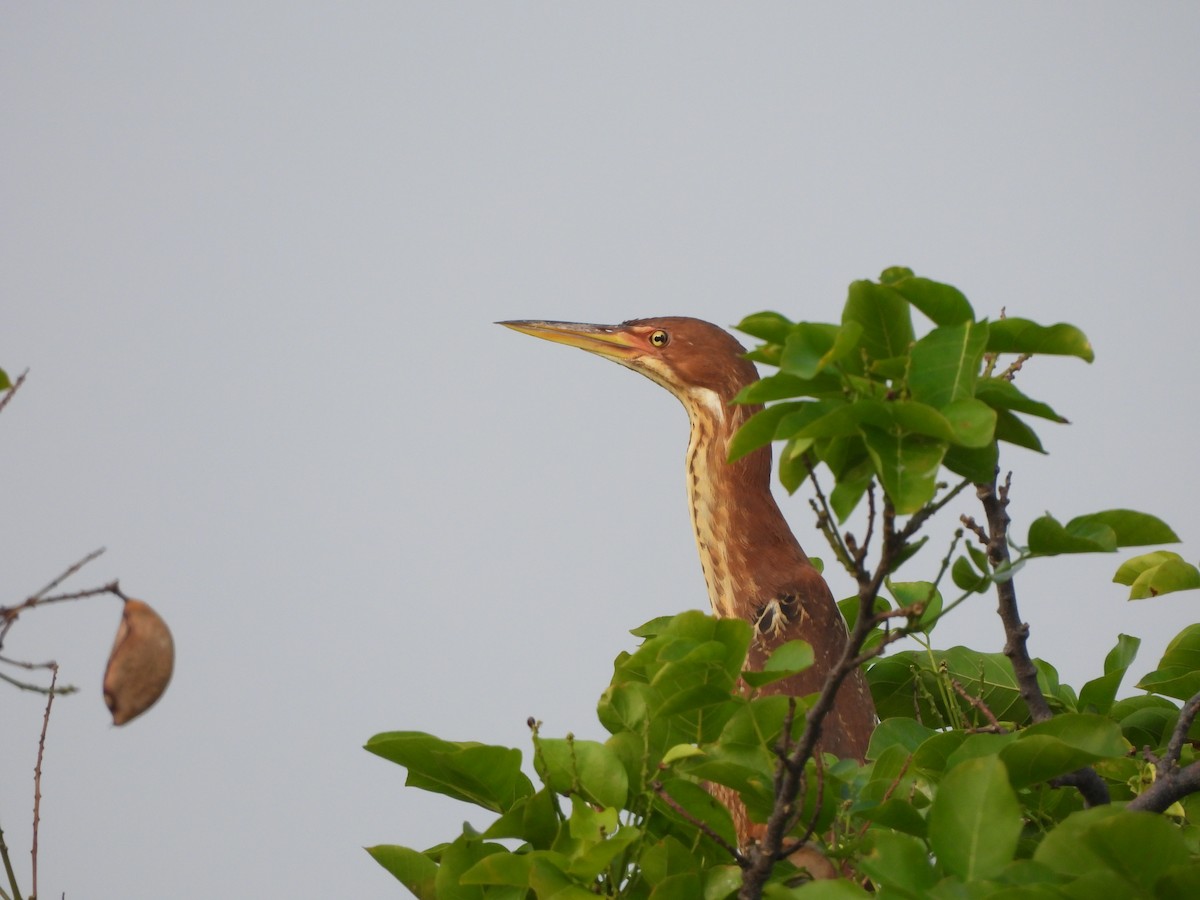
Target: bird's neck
<point>737,522</point>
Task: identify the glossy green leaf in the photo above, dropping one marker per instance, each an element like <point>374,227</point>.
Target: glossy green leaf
<point>1178,672</point>
<point>884,316</point>
<point>907,466</point>
<point>898,732</point>
<point>945,363</point>
<point>759,429</point>
<point>1099,693</point>
<point>766,326</point>
<point>568,766</point>
<point>1001,394</point>
<point>898,862</point>
<point>975,820</point>
<point>1013,430</point>
<point>966,578</point>
<point>973,422</point>
<point>941,303</point>
<point>1024,336</point>
<point>782,386</point>
<point>1132,528</point>
<point>1131,849</point>
<point>487,776</point>
<point>1061,745</point>
<point>838,420</point>
<point>1047,537</point>
<point>414,870</point>
<point>976,464</point>
<point>457,859</point>
<point>920,418</point>
<point>786,660</point>
<point>910,593</point>
<point>805,348</point>
<point>699,805</point>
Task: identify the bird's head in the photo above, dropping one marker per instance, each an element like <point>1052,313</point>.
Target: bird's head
<point>684,355</point>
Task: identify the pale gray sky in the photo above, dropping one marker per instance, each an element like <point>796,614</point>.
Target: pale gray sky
<point>251,254</point>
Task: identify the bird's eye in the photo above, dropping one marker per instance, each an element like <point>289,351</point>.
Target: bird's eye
<point>659,338</point>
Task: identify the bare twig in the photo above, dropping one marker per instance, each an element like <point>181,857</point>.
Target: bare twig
<point>37,778</point>
<point>827,523</point>
<point>70,570</point>
<point>995,504</point>
<point>979,705</point>
<point>11,392</point>
<point>10,614</point>
<point>707,829</point>
<point>8,870</point>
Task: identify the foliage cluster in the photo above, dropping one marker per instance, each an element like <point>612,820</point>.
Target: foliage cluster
<point>987,775</point>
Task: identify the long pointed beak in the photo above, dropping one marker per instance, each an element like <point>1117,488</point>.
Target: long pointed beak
<point>611,341</point>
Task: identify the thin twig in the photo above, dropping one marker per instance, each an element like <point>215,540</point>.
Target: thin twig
<point>8,395</point>
<point>8,869</point>
<point>70,570</point>
<point>979,705</point>
<point>37,778</point>
<point>707,829</point>
<point>827,523</point>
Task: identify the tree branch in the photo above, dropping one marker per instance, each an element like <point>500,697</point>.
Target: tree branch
<point>1172,782</point>
<point>995,506</point>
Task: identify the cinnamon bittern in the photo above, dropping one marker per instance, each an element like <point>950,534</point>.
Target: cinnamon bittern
<point>754,566</point>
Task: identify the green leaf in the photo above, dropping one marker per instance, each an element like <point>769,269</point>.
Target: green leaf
<point>568,766</point>
<point>766,326</point>
<point>487,776</point>
<point>1131,569</point>
<point>966,578</point>
<point>5,383</point>
<point>975,820</point>
<point>785,661</point>
<point>782,386</point>
<point>1061,745</point>
<point>920,418</point>
<point>1131,849</point>
<point>456,859</point>
<point>898,732</point>
<point>805,348</point>
<point>978,465</point>
<point>1012,430</point>
<point>910,593</point>
<point>1170,576</point>
<point>759,429</point>
<point>1024,336</point>
<point>1178,673</point>
<point>941,303</point>
<point>1132,528</point>
<point>414,870</point>
<point>898,861</point>
<point>1001,394</point>
<point>945,363</point>
<point>884,316</point>
<point>1099,693</point>
<point>973,423</point>
<point>1047,537</point>
<point>907,466</point>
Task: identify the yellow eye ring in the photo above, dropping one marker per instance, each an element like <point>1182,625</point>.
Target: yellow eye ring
<point>659,338</point>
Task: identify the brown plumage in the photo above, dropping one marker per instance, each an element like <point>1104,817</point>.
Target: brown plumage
<point>754,566</point>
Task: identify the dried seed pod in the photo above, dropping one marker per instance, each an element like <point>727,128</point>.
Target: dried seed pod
<point>140,666</point>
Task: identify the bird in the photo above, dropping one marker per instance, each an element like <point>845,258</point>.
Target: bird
<point>754,567</point>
